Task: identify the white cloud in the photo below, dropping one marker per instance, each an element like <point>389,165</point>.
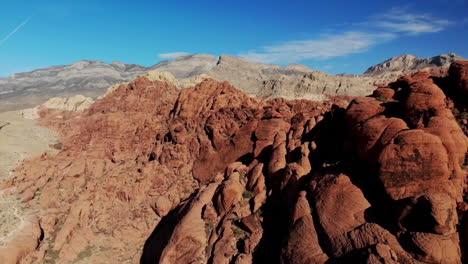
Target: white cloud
<point>9,35</point>
<point>373,31</point>
<point>172,55</point>
<point>400,20</point>
<point>327,47</point>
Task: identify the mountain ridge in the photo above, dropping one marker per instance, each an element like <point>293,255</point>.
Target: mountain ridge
<point>92,78</point>
<point>412,62</point>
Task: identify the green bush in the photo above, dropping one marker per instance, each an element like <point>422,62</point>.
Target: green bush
<point>209,228</point>
<point>238,232</point>
<point>382,98</point>
<point>248,194</point>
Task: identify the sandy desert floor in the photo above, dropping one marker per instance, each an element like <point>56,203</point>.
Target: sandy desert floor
<point>19,138</point>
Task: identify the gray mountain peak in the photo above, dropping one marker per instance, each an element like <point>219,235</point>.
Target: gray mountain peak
<point>411,62</point>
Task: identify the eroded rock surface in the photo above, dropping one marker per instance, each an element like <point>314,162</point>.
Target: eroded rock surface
<point>391,198</point>
<point>154,174</point>
<point>411,62</point>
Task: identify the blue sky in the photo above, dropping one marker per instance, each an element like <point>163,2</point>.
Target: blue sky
<point>333,36</point>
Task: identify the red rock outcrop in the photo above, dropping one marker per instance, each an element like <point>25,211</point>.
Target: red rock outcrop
<point>403,140</point>
<point>141,151</point>
<point>154,174</point>
<point>422,156</point>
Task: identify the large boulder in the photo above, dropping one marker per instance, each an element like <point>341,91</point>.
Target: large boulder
<point>414,164</point>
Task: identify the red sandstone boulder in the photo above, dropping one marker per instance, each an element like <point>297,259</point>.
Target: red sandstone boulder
<point>374,134</point>
<point>383,93</point>
<point>414,164</point>
<point>361,109</point>
<point>331,193</point>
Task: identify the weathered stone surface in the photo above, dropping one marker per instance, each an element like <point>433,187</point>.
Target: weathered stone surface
<point>188,240</point>
<point>415,164</point>
<point>411,62</point>
<point>25,242</point>
<point>226,178</point>
<point>361,109</point>
<point>433,248</point>
<point>302,244</point>
<point>331,193</point>
<point>374,134</point>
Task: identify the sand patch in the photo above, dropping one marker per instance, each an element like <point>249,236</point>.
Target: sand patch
<point>20,138</point>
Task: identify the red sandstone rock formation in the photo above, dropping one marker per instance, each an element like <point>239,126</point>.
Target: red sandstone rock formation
<point>135,155</point>
<point>220,177</point>
<point>391,199</point>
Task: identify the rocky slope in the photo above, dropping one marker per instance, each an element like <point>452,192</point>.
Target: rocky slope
<point>291,82</point>
<point>19,139</point>
<point>411,62</point>
<point>92,78</point>
<point>152,173</point>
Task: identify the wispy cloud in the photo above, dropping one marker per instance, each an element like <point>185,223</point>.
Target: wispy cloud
<point>328,46</point>
<point>400,20</point>
<point>172,55</point>
<point>9,35</point>
<point>375,30</point>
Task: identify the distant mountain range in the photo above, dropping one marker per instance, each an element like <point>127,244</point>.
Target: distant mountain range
<point>92,78</point>
<point>411,62</point>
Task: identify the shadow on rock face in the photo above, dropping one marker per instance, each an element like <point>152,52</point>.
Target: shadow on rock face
<point>155,244</point>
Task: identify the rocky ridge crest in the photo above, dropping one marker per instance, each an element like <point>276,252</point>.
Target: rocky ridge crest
<point>264,81</point>
<point>410,62</point>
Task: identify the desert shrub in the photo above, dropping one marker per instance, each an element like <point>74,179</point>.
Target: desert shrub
<point>382,98</point>
<point>248,194</point>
